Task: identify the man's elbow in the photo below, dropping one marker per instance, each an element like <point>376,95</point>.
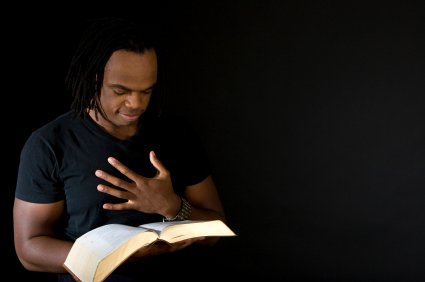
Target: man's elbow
<point>27,258</point>
<point>26,263</point>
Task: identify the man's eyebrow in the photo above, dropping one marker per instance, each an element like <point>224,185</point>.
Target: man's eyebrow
<point>114,85</point>
<point>120,87</point>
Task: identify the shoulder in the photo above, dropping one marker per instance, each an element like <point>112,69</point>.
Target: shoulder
<point>62,121</point>
<point>53,130</point>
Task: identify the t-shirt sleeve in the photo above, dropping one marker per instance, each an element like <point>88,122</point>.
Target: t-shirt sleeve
<point>38,180</point>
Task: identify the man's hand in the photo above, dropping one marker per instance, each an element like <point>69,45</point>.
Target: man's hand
<point>161,247</point>
<point>148,195</point>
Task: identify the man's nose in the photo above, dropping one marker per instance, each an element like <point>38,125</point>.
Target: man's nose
<point>134,100</point>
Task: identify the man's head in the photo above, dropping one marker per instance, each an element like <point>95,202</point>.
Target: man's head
<point>128,82</point>
<point>107,43</point>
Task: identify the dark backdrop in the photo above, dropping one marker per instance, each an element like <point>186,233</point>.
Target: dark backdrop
<point>312,114</point>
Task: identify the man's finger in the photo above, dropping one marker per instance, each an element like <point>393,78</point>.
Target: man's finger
<point>112,179</point>
<point>157,163</point>
<point>115,207</point>
<point>122,168</point>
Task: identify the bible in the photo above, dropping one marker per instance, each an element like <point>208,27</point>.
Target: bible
<point>97,253</point>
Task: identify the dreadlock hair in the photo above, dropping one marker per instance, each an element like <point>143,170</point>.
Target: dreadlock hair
<point>85,74</point>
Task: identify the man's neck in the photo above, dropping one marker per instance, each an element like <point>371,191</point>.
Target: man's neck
<point>120,132</point>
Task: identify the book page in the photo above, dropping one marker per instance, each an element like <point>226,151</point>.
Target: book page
<point>159,226</point>
<point>122,253</point>
<point>105,239</point>
<point>94,246</point>
<point>181,230</point>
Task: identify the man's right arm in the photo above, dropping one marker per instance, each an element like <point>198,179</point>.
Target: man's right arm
<point>34,236</point>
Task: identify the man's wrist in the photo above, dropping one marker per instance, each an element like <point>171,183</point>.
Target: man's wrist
<point>183,213</point>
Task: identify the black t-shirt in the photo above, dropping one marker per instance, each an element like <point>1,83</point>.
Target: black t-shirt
<point>59,160</point>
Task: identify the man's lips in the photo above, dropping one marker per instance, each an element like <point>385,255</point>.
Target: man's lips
<point>130,117</point>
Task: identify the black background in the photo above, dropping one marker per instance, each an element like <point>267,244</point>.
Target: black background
<point>312,113</point>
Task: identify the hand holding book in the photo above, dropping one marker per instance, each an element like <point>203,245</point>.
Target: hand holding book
<point>161,247</point>
<point>96,254</point>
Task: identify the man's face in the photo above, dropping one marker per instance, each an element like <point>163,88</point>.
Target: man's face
<point>128,82</point>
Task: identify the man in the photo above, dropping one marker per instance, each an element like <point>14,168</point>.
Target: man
<point>111,159</point>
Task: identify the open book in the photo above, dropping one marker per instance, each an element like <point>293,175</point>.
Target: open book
<point>96,254</point>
